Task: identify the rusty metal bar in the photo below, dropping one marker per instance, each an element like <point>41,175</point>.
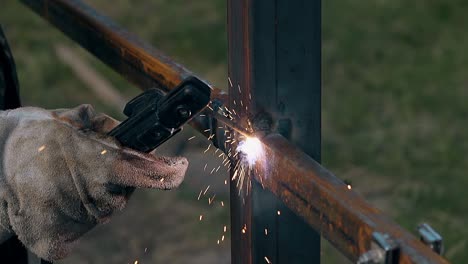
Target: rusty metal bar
<point>342,216</point>
<point>137,61</point>
<point>308,189</point>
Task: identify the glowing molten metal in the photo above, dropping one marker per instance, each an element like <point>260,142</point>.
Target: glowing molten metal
<point>251,149</point>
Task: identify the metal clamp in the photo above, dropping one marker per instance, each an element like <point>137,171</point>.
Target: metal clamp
<point>384,250</point>
<point>430,237</point>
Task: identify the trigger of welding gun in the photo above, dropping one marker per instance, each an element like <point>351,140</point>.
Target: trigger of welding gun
<point>154,117</point>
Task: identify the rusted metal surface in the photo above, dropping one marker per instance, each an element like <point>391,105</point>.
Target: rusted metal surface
<point>137,61</point>
<point>341,215</point>
<point>320,198</point>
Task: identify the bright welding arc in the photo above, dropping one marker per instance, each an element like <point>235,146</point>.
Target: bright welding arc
<point>251,149</point>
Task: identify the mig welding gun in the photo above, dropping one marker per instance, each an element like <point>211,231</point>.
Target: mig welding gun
<point>153,117</point>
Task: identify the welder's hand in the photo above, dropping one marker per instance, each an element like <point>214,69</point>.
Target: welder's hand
<point>60,175</point>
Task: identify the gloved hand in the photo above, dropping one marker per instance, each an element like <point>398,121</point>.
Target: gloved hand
<point>60,176</point>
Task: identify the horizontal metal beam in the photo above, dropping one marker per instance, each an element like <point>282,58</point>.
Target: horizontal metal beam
<point>341,215</point>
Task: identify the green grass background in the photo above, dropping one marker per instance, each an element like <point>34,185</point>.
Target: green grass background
<point>395,91</point>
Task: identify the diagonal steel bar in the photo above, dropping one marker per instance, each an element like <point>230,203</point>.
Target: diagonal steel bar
<point>342,216</point>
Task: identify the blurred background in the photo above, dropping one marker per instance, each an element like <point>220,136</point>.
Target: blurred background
<point>395,116</point>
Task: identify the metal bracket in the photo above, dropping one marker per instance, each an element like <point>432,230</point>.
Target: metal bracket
<point>431,238</point>
<point>384,250</point>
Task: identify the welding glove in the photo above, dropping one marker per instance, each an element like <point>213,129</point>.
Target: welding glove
<point>60,176</point>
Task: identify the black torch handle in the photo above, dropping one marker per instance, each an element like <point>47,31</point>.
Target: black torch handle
<point>153,117</point>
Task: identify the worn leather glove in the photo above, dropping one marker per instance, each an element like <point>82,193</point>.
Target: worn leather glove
<point>60,176</point>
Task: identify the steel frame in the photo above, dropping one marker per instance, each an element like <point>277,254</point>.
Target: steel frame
<point>271,52</point>
<point>312,192</point>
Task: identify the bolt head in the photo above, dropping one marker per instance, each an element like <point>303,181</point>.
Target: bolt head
<point>183,113</point>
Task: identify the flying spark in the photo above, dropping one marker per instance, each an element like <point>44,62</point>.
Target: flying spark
<point>235,174</point>
<point>208,148</point>
<point>210,200</point>
<point>206,189</point>
<point>41,148</point>
<point>103,152</point>
<point>349,187</point>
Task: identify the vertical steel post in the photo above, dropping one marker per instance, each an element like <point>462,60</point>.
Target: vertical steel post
<point>275,82</point>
